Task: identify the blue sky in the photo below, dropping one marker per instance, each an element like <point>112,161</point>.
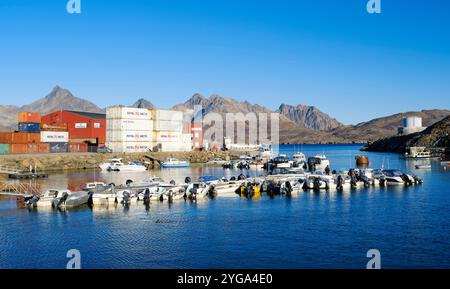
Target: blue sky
<point>327,53</point>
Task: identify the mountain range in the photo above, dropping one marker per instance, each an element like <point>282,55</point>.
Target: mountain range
<point>298,124</point>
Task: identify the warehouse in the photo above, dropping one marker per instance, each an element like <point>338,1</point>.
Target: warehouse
<point>83,127</point>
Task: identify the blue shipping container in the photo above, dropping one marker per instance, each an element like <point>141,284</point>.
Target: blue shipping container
<point>58,147</point>
<point>29,127</point>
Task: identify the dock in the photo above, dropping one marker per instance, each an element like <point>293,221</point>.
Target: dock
<point>17,174</point>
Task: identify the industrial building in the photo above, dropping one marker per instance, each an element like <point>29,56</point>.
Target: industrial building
<point>411,124</point>
<point>82,127</point>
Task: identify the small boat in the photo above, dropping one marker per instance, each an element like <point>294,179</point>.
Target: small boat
<point>265,152</point>
<point>105,166</point>
<point>396,177</point>
<point>419,155</point>
<point>216,161</point>
<point>319,162</point>
<point>130,167</point>
<point>174,163</point>
<point>418,167</point>
<point>299,159</point>
<point>445,164</point>
<point>282,161</point>
<point>125,197</point>
<point>198,190</point>
<point>316,182</point>
<point>62,198</point>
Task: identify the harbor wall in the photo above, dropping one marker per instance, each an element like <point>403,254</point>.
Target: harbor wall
<point>80,161</point>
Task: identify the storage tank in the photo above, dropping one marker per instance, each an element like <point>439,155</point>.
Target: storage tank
<point>412,122</point>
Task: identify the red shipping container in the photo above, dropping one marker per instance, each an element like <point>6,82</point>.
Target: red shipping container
<point>77,147</point>
<point>25,116</point>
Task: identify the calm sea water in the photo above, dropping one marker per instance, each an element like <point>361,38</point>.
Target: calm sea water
<point>409,226</point>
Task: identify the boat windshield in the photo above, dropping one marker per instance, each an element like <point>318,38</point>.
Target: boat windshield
<point>392,173</point>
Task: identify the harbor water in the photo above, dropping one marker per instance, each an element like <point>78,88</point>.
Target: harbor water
<point>410,226</point>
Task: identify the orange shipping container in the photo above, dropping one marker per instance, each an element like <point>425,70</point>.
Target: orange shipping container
<point>77,147</point>
<point>18,148</point>
<point>44,148</point>
<point>25,116</point>
<point>30,148</point>
<point>19,137</point>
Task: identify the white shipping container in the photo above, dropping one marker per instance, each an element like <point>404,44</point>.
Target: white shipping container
<point>128,136</point>
<point>173,147</point>
<point>121,112</point>
<point>166,136</point>
<point>129,124</point>
<point>168,125</point>
<point>164,114</point>
<point>129,147</point>
<point>54,136</point>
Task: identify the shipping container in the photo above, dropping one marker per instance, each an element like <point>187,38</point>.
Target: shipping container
<point>58,147</point>
<point>166,136</point>
<point>54,136</point>
<point>128,136</point>
<point>19,137</point>
<point>129,124</point>
<point>173,147</point>
<point>77,147</point>
<point>120,112</point>
<point>33,117</point>
<point>130,147</point>
<point>4,149</point>
<point>29,127</point>
<point>18,148</point>
<point>168,125</point>
<point>44,148</point>
<point>168,115</point>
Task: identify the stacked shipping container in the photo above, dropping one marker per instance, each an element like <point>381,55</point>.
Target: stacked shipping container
<point>27,140</point>
<point>129,129</point>
<point>168,130</point>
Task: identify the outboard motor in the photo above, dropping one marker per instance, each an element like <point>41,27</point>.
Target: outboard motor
<point>340,183</point>
<point>170,196</point>
<point>353,183</point>
<point>288,189</point>
<point>57,202</point>
<point>172,182</point>
<point>232,178</point>
<point>31,201</point>
<point>316,184</point>
<point>128,182</point>
<point>305,186</point>
<point>417,180</point>
<point>212,193</point>
<point>126,198</point>
<point>147,196</point>
<point>382,181</point>
<point>407,180</point>
<point>241,177</point>
<point>187,180</point>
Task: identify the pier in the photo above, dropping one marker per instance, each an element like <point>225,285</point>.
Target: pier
<point>17,174</point>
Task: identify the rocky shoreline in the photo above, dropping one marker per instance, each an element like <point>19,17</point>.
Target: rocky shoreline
<point>75,161</point>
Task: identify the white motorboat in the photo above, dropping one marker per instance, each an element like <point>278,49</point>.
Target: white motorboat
<point>62,198</point>
<point>105,166</point>
<point>174,163</point>
<point>265,152</point>
<point>319,162</point>
<point>46,200</point>
<point>130,167</point>
<point>227,188</point>
<point>197,190</point>
<point>103,198</point>
<point>396,177</point>
<point>316,182</point>
<point>216,161</point>
<point>299,159</point>
<point>343,181</point>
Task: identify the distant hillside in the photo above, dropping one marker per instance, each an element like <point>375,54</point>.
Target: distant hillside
<point>142,103</point>
<point>59,98</point>
<point>309,117</point>
<point>436,135</point>
<point>290,132</point>
<point>386,126</point>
